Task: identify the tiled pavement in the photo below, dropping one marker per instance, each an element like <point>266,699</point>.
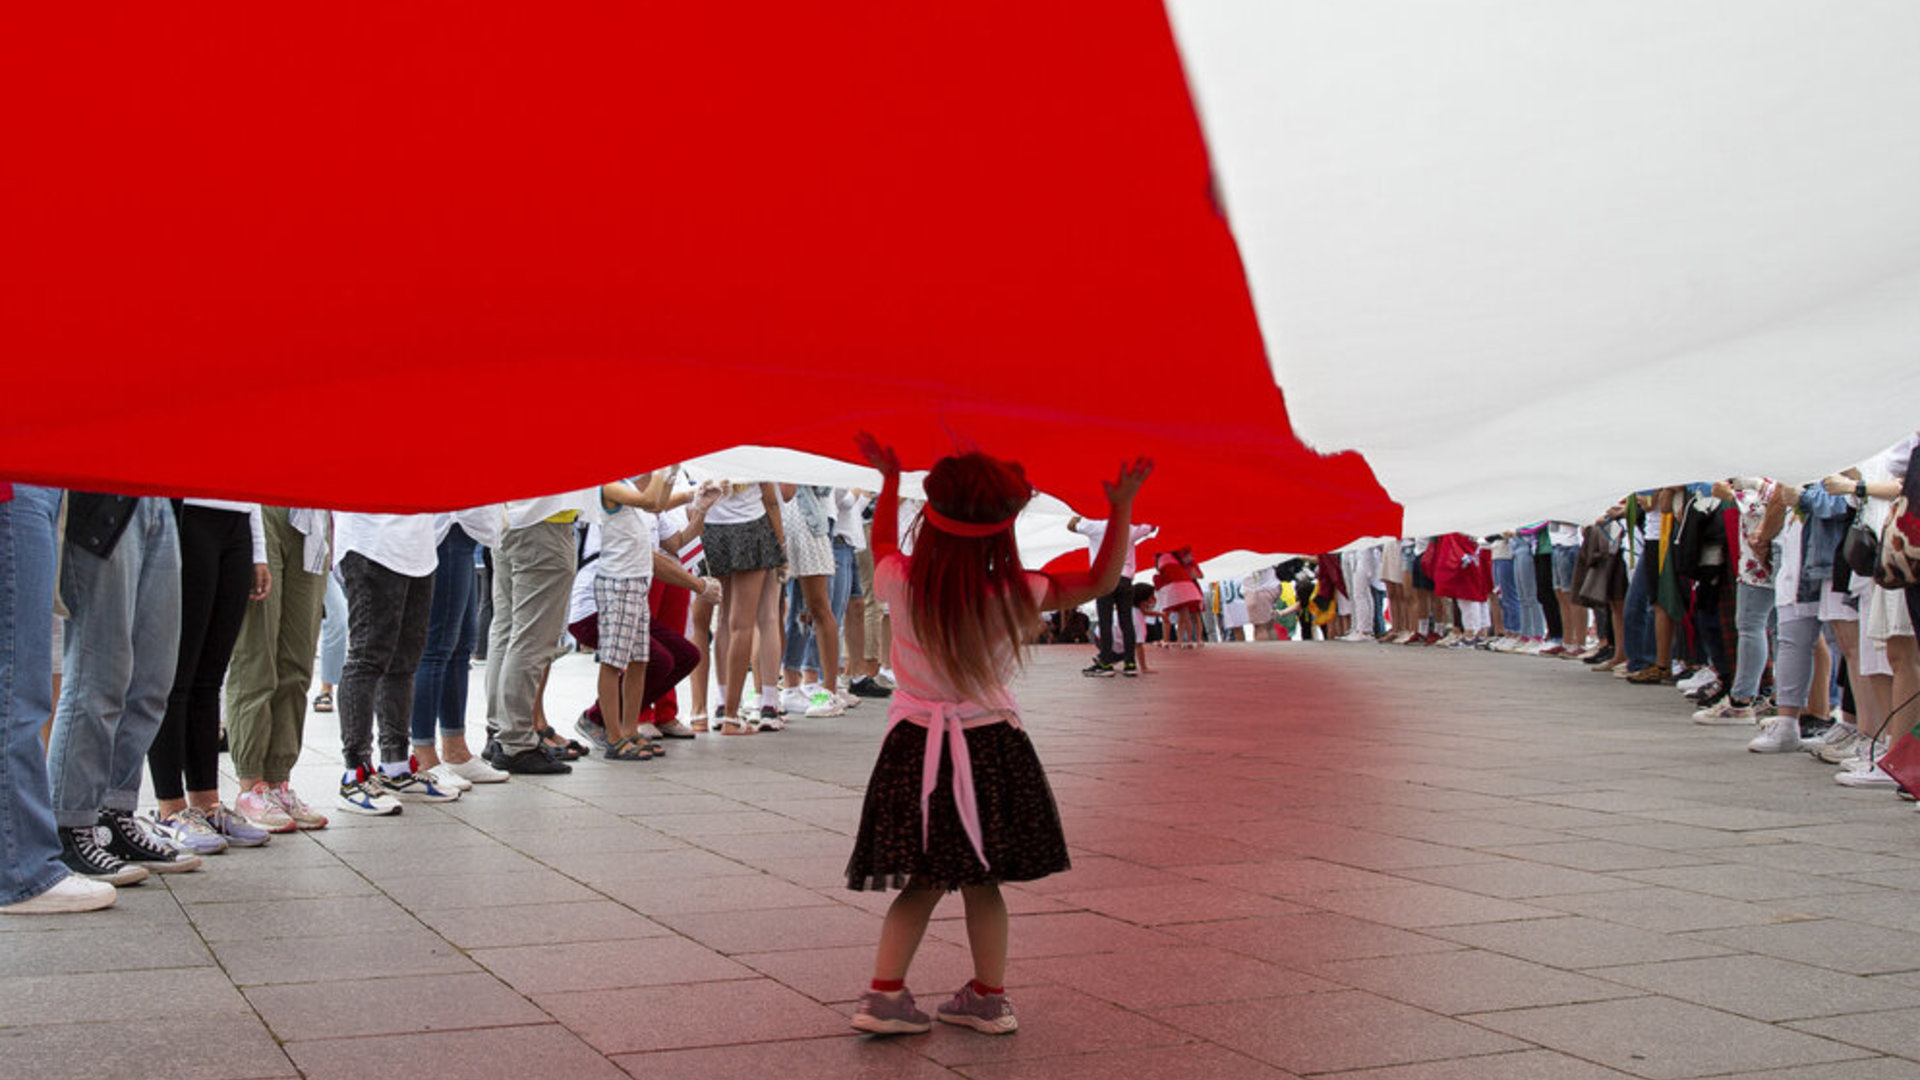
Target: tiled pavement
<point>1290,860</point>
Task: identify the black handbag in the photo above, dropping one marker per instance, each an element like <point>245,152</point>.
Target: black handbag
<point>1860,549</point>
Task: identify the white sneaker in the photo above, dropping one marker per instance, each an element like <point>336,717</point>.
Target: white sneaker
<point>826,705</point>
<point>1781,734</point>
<point>677,728</point>
<point>649,731</point>
<point>445,777</point>
<point>70,893</point>
<point>1868,775</point>
<point>850,700</point>
<point>1836,744</point>
<point>475,771</point>
<point>795,700</point>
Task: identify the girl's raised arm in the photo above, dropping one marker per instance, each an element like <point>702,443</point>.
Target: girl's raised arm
<point>886,510</point>
<point>1070,590</point>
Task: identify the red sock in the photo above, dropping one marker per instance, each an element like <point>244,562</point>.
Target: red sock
<point>983,989</point>
<point>889,986</point>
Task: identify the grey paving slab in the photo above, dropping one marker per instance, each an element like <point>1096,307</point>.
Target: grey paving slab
<point>428,892</point>
<point>1764,988</point>
<point>1161,905</point>
<point>1604,855</point>
<point>539,924</point>
<point>508,1053</point>
<point>1292,877</point>
<point>1310,939</point>
<point>608,965</point>
<point>1413,906</point>
<point>329,1010</point>
<point>74,948</point>
<point>1146,980</point>
<point>1746,882</point>
<point>281,883</point>
<point>1830,943</point>
<point>1313,1033</point>
<point>1517,879</point>
<point>1667,911</point>
<point>1895,1032</point>
<point>1576,942</point>
<point>842,1057</point>
<point>698,1014</point>
<point>1147,1063</point>
<point>762,930</point>
<point>1664,1039</point>
<point>264,961</point>
<point>1515,1065</point>
<point>298,918</point>
<point>214,1046</point>
<point>734,892</point>
<point>1880,1068</point>
<point>1467,981</point>
<point>115,995</point>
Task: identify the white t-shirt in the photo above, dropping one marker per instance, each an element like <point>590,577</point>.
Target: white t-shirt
<point>1888,464</point>
<point>521,513</point>
<point>1563,534</point>
<point>846,518</point>
<point>1096,534</point>
<point>484,524</point>
<point>403,543</point>
<point>626,542</point>
<point>742,503</point>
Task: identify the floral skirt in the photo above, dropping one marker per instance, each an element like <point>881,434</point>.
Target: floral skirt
<point>1019,823</point>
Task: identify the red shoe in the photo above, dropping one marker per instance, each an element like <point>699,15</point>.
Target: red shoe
<point>1431,639</point>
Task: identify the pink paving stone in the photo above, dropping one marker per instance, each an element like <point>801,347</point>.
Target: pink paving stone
<point>1149,979</point>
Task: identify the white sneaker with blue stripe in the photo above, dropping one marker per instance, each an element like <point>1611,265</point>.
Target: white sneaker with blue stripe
<point>414,786</point>
<point>360,794</point>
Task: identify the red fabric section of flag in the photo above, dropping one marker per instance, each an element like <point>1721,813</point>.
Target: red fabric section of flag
<point>414,255</point>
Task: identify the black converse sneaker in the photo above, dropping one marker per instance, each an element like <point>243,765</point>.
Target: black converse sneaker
<point>128,841</point>
<point>84,849</point>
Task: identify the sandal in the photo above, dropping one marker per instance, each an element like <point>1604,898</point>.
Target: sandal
<point>730,725</point>
<point>697,723</point>
<point>628,749</point>
<point>323,702</point>
<point>561,747</point>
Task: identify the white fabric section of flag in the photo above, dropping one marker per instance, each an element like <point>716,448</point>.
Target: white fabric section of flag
<point>1527,255</point>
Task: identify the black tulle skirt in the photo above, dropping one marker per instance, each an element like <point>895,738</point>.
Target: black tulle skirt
<point>1019,823</point>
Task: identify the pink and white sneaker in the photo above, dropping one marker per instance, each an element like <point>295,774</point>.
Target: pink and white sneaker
<point>260,808</point>
<point>304,816</point>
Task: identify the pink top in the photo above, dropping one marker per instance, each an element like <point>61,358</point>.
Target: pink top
<point>921,696</point>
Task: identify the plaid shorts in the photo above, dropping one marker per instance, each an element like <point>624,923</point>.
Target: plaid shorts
<point>623,619</point>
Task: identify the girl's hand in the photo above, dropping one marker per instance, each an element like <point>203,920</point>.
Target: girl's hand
<point>878,456</point>
<point>707,494</point>
<point>1132,474</point>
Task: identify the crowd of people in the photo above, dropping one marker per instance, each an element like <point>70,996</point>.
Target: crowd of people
<point>171,631</point>
<point>1788,608</point>
<point>146,637</point>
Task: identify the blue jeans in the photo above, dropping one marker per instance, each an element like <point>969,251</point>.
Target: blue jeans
<point>29,846</point>
<point>333,632</point>
<point>1533,621</point>
<point>1509,596</point>
<point>1379,611</point>
<point>440,685</point>
<point>1638,615</point>
<point>838,593</point>
<point>1752,611</point>
<point>122,642</point>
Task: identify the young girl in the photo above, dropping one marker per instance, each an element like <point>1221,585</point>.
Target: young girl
<point>958,799</point>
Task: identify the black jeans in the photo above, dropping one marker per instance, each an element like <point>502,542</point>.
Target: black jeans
<point>216,575</point>
<point>1119,601</point>
<point>387,616</point>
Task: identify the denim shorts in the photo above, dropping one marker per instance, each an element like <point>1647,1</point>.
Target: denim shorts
<point>1564,560</point>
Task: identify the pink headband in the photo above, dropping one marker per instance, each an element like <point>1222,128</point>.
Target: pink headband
<point>964,528</point>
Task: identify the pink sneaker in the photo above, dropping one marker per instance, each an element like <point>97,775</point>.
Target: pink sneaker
<point>260,808</point>
<point>304,816</point>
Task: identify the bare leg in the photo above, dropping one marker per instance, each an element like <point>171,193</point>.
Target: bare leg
<point>1903,654</point>
<point>987,932</point>
<point>766,660</point>
<point>826,631</point>
<point>609,693</point>
<point>700,632</point>
<point>1817,698</point>
<point>739,600</point>
<point>900,933</point>
<point>631,690</point>
<point>855,628</point>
